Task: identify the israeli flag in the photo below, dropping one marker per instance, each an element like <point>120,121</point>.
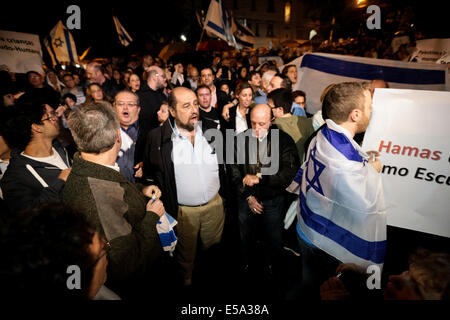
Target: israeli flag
<point>61,46</point>
<point>243,36</point>
<point>124,37</point>
<point>216,21</point>
<point>167,236</point>
<point>316,71</point>
<point>341,208</point>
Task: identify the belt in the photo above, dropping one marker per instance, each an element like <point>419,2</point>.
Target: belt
<point>199,205</point>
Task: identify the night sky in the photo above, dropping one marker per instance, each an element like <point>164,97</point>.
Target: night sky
<point>148,21</point>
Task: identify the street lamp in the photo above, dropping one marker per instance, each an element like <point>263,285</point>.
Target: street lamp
<point>360,3</point>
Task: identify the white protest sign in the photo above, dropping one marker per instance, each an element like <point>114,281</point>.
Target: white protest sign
<point>411,131</point>
<point>430,50</point>
<point>20,52</point>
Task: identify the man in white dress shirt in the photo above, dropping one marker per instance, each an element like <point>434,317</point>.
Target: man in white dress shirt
<point>181,161</point>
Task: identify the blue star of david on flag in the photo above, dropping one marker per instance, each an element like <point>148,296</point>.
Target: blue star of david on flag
<point>58,42</point>
<point>318,167</point>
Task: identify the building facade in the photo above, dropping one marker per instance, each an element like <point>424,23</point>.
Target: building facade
<point>272,21</point>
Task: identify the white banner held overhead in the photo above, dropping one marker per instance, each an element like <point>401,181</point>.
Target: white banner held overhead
<point>316,71</point>
<point>20,52</point>
<point>410,129</point>
<point>430,50</point>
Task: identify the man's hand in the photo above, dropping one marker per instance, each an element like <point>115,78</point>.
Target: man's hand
<point>333,289</point>
<point>139,172</point>
<point>219,73</point>
<point>64,174</point>
<point>226,111</point>
<point>350,267</point>
<point>156,207</point>
<point>60,110</point>
<point>19,94</point>
<point>254,205</point>
<point>148,191</point>
<point>250,180</point>
<point>374,161</point>
<point>376,164</point>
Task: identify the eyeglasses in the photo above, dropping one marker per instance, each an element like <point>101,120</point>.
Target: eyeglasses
<point>105,250</point>
<point>122,104</point>
<point>160,75</point>
<point>51,117</point>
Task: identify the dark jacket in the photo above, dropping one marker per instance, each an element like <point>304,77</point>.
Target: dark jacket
<point>111,88</point>
<point>159,169</point>
<point>118,210</point>
<point>21,187</point>
<point>150,101</point>
<point>231,124</point>
<point>270,186</point>
<point>45,95</point>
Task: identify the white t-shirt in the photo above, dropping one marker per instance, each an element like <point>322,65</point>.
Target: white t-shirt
<point>241,122</point>
<point>54,159</point>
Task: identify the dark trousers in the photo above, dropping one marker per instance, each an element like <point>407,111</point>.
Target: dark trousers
<point>270,222</point>
<point>317,267</point>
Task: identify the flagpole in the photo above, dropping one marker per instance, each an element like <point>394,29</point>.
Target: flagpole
<point>201,36</point>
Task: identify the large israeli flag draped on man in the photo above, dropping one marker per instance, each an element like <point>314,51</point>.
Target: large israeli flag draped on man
<point>341,207</point>
<point>318,70</point>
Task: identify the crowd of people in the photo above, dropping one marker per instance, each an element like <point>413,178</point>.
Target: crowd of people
<point>92,160</point>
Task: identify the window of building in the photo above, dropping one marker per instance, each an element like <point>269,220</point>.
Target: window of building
<point>287,12</point>
<point>269,30</point>
<point>271,6</point>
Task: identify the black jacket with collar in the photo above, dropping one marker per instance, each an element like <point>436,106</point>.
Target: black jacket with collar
<point>231,124</point>
<point>270,186</point>
<point>21,186</point>
<point>150,101</point>
<point>159,169</point>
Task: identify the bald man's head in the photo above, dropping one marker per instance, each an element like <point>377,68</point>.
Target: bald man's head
<point>156,77</point>
<point>377,83</point>
<point>261,119</point>
<point>183,106</point>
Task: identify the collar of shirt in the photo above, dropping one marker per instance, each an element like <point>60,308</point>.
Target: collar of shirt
<point>334,126</point>
<point>263,137</point>
<point>114,167</point>
<point>179,136</point>
<point>239,115</point>
<point>132,130</point>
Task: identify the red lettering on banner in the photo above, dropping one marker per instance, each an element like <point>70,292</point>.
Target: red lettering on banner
<point>409,151</point>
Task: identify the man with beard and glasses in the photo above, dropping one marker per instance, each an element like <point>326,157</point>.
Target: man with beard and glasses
<point>182,163</point>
